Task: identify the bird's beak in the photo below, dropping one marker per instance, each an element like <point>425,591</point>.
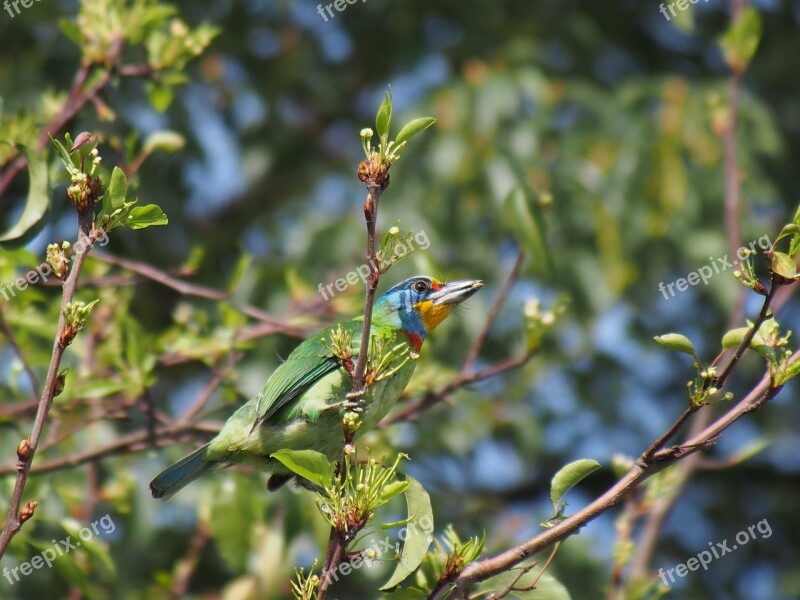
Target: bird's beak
<point>455,292</point>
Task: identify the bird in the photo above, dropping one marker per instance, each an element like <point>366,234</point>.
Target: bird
<point>303,402</point>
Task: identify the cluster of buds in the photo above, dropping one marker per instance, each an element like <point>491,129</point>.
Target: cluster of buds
<point>75,315</point>
<point>84,190</point>
<point>538,322</point>
<point>341,346</point>
<point>57,259</point>
<point>703,390</point>
<point>373,170</point>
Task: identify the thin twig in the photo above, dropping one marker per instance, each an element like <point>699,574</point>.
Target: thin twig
<point>133,442</point>
<point>13,521</point>
<point>499,302</point>
<point>412,409</point>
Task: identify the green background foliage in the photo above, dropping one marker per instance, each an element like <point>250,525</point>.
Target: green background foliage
<point>587,133</point>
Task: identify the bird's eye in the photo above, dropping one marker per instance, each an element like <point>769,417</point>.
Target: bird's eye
<point>421,287</point>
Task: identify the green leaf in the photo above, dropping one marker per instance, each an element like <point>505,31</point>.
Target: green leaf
<point>740,42</point>
<point>164,141</point>
<point>419,532</point>
<point>31,220</point>
<point>414,127</point>
<point>383,120</point>
<point>524,217</point>
<point>391,490</point>
<point>676,343</point>
<point>569,476</point>
<point>161,95</point>
<point>141,217</point>
<point>116,192</point>
<point>734,337</point>
<point>547,586</point>
<point>308,464</point>
<point>783,265</point>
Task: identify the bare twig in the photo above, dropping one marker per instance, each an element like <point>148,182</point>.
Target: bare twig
<point>14,520</point>
<point>412,409</point>
<point>493,312</point>
<point>133,442</point>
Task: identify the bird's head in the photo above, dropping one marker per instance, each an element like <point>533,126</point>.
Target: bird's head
<point>420,303</point>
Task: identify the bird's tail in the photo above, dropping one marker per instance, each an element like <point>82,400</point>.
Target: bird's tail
<point>183,472</point>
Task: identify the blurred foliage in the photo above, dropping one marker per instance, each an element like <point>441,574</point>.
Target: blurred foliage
<point>589,133</point>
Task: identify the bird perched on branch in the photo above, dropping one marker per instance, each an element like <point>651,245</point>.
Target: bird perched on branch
<point>303,402</point>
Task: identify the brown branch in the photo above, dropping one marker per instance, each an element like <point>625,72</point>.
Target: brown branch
<point>14,520</point>
<point>133,442</point>
<point>412,409</point>
<point>494,312</point>
<point>642,469</point>
<point>189,289</point>
<point>376,179</point>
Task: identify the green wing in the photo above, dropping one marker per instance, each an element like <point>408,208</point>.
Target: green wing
<point>307,364</point>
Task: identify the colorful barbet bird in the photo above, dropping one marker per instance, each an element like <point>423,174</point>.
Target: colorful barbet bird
<point>303,402</point>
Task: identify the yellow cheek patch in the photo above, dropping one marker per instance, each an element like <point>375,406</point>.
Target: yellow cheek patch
<point>432,314</point>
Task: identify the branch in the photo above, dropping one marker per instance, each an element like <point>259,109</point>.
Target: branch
<point>376,179</point>
<point>14,518</point>
<point>493,312</point>
<point>412,409</point>
<point>642,469</point>
<point>133,442</point>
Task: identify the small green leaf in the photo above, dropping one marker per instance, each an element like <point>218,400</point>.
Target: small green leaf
<point>783,265</point>
<point>734,337</point>
<point>740,42</point>
<point>414,127</point>
<point>569,476</point>
<point>163,141</point>
<point>676,343</point>
<point>308,464</point>
<point>116,192</point>
<point>419,532</point>
<point>31,220</point>
<point>524,217</point>
<point>391,490</point>
<point>383,120</point>
<point>141,217</point>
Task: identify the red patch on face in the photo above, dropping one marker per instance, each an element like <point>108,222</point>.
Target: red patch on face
<point>414,339</point>
<point>435,285</point>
